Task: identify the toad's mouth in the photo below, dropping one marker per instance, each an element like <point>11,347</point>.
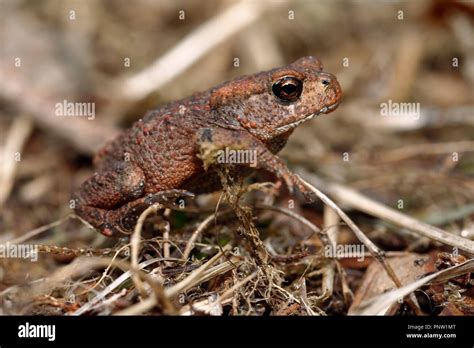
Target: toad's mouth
<point>295,124</point>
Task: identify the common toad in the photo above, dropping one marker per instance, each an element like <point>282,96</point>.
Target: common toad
<point>157,159</point>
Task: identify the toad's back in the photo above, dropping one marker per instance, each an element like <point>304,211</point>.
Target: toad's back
<point>162,144</point>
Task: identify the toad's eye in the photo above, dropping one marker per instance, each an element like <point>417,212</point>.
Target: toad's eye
<point>325,82</point>
<point>288,88</point>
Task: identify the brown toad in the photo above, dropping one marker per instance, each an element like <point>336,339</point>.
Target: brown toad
<point>157,159</point>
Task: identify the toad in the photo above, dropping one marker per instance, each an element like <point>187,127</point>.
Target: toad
<point>158,160</point>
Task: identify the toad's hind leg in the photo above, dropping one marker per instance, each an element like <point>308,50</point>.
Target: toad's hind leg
<point>106,190</point>
<point>123,183</point>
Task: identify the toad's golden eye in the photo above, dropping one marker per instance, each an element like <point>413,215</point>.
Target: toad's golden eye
<point>288,89</point>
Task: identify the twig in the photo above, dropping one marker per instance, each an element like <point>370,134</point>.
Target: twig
<point>222,299</point>
<point>116,283</point>
<point>124,249</point>
<point>83,264</point>
<point>313,228</point>
<point>135,244</point>
<point>177,288</point>
<point>303,295</point>
<point>17,136</point>
<point>373,249</point>
<point>237,285</point>
<point>65,251</point>
<point>202,226</point>
<point>166,235</point>
<point>171,292</point>
<point>232,189</point>
<point>360,202</point>
<point>331,225</point>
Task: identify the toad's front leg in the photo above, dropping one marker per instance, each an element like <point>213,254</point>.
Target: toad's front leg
<point>222,145</point>
<point>121,221</point>
<point>124,219</point>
